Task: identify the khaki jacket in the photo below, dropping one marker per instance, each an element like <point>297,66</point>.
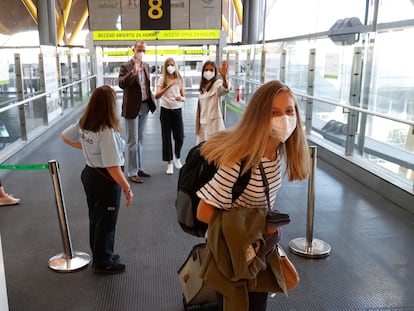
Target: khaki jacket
<point>226,268</point>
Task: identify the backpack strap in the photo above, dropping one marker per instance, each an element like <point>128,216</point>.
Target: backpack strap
<point>241,182</point>
<point>265,184</point>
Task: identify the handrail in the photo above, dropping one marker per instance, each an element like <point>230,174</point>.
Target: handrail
<point>370,112</point>
<point>27,100</point>
<point>334,103</point>
<point>247,80</point>
<point>7,102</point>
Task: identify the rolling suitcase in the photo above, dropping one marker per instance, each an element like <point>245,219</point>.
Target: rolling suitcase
<point>195,291</point>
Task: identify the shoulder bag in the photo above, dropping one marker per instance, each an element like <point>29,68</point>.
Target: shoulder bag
<point>290,274</point>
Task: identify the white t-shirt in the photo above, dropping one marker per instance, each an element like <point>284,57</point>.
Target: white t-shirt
<point>168,99</point>
<point>100,149</point>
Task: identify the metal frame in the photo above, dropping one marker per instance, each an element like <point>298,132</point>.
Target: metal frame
<point>354,97</point>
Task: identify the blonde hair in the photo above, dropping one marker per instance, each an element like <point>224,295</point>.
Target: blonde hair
<point>247,140</point>
<point>176,73</point>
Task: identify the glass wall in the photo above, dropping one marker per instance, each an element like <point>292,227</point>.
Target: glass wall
<point>46,81</point>
<point>356,96</point>
<point>189,59</point>
<point>394,11</point>
<point>390,93</point>
<point>297,62</point>
<point>290,18</point>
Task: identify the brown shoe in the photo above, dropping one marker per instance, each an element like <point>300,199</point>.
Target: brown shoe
<point>135,179</point>
<point>144,174</point>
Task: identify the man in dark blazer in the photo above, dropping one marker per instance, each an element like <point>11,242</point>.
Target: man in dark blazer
<point>137,101</point>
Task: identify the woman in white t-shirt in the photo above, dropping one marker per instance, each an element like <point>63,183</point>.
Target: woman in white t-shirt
<point>170,93</point>
<point>97,135</point>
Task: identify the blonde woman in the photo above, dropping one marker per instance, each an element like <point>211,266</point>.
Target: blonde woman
<point>270,130</point>
<point>170,92</point>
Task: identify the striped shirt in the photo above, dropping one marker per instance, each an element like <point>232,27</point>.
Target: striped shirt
<point>218,191</point>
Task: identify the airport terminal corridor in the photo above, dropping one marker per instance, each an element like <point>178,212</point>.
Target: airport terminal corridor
<point>369,267</point>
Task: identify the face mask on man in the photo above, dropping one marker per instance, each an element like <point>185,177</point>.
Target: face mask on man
<point>139,55</point>
<point>208,75</point>
<point>282,127</point>
<point>170,69</point>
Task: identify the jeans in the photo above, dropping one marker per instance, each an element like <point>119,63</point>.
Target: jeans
<point>135,139</point>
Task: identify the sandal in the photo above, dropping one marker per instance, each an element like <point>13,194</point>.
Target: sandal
<point>8,200</point>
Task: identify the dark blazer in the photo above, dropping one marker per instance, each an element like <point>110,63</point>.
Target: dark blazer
<point>131,100</point>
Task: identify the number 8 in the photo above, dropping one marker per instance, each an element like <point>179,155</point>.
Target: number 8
<point>155,11</point>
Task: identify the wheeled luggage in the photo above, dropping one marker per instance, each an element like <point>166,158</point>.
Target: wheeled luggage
<point>195,291</point>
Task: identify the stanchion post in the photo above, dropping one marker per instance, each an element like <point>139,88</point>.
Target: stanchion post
<point>68,261</point>
<point>63,221</point>
<point>310,247</point>
<point>311,195</point>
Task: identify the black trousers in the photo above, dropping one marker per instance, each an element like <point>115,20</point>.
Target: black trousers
<point>257,301</point>
<point>103,196</point>
<point>171,123</point>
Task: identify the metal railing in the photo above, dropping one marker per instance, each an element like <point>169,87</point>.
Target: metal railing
<point>393,153</point>
<point>45,94</point>
<point>33,117</point>
<point>354,108</point>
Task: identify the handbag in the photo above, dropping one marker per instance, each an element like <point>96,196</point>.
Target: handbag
<point>290,274</point>
<point>195,290</point>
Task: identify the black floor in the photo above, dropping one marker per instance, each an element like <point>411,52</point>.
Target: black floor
<point>370,266</point>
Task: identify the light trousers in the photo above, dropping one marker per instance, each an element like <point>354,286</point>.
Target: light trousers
<point>135,139</point>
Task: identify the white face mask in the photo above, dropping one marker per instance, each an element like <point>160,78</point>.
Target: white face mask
<point>139,55</point>
<point>170,69</point>
<point>283,127</point>
<point>208,75</point>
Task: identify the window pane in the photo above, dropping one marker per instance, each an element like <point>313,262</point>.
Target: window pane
<point>391,10</point>
<point>288,18</point>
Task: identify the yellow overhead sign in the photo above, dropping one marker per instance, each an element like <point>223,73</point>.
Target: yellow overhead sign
<point>159,52</point>
<point>132,35</point>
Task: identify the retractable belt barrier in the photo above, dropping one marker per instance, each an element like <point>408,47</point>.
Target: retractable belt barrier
<point>310,247</point>
<point>69,260</point>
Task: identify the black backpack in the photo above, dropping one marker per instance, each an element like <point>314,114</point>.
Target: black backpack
<point>194,174</point>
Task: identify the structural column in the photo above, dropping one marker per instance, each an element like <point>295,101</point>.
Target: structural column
<point>253,21</point>
<point>46,22</point>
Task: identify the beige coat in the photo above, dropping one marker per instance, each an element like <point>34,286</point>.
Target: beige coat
<point>209,109</point>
